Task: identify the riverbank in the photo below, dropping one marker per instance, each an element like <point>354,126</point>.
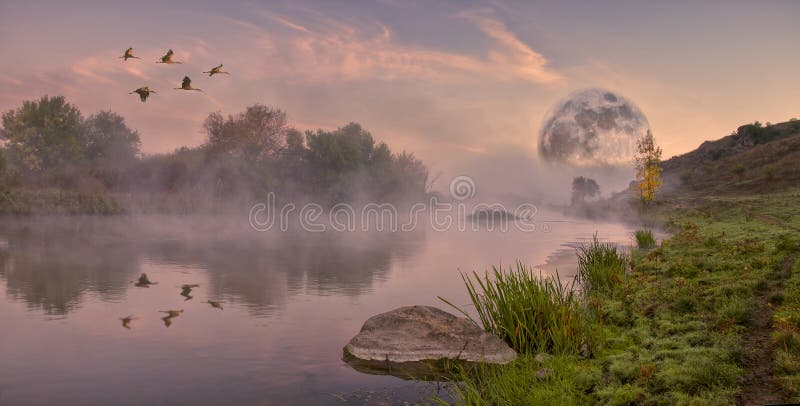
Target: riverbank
<point>711,316</point>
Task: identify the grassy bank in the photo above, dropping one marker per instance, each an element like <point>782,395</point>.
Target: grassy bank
<point>711,316</point>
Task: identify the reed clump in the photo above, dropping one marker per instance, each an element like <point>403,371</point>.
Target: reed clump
<point>531,312</point>
<point>601,267</point>
<point>645,239</point>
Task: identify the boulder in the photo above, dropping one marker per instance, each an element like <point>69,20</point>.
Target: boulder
<point>420,333</point>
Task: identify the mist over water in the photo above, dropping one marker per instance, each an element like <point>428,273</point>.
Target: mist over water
<point>291,301</point>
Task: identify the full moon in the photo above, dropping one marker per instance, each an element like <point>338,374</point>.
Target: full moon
<point>593,127</point>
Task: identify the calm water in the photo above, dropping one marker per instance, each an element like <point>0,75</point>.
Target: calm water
<point>291,301</point>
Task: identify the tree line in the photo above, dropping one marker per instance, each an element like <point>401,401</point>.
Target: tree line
<point>47,144</point>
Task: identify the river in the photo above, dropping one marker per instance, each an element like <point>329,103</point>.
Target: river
<point>290,302</point>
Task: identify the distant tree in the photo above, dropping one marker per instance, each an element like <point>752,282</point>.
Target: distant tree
<point>109,139</point>
<point>412,173</point>
<point>44,134</point>
<point>259,132</point>
<point>582,188</point>
<point>648,168</point>
<point>2,169</point>
<point>2,162</point>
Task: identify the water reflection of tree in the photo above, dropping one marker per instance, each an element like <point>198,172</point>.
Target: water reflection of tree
<point>262,272</point>
<point>54,268</point>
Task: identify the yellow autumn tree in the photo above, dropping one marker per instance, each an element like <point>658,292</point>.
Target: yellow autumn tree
<point>648,168</point>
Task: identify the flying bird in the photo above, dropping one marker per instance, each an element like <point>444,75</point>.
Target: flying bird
<point>128,54</point>
<point>214,304</point>
<point>187,85</point>
<point>143,92</point>
<point>216,71</point>
<point>126,321</point>
<point>167,58</point>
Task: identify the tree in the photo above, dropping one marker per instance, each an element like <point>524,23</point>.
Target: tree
<point>44,134</point>
<point>648,168</point>
<point>582,188</point>
<point>108,139</point>
<point>259,132</point>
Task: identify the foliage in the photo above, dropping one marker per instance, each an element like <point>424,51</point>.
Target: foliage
<point>645,239</point>
<point>582,188</point>
<point>762,134</point>
<point>44,134</point>
<point>109,140</point>
<point>258,132</point>
<point>601,267</point>
<point>530,312</point>
<point>49,145</point>
<point>674,330</point>
<point>648,167</point>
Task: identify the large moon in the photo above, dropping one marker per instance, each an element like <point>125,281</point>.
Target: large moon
<point>593,127</point>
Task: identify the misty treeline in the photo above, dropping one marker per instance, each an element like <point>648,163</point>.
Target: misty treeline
<point>48,145</point>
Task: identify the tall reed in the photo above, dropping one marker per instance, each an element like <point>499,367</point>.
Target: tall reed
<point>601,267</point>
<point>645,239</point>
<point>532,313</point>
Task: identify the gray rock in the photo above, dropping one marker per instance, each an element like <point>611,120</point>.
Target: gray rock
<point>418,333</point>
<point>543,373</point>
<point>543,357</point>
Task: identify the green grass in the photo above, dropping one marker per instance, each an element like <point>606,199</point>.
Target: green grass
<point>672,328</point>
<point>645,239</point>
<point>532,313</point>
<point>786,322</point>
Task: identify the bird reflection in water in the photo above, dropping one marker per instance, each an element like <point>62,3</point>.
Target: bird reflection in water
<point>171,314</point>
<point>126,321</point>
<point>186,291</point>
<point>144,281</point>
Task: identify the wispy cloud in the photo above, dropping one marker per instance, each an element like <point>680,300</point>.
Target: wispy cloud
<point>319,48</point>
<point>511,54</point>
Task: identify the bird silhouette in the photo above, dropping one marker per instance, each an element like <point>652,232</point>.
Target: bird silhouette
<point>214,304</point>
<point>187,85</point>
<point>167,58</point>
<point>216,71</point>
<point>171,314</point>
<point>126,321</point>
<point>144,281</point>
<point>186,291</point>
<point>143,92</point>
<point>128,54</point>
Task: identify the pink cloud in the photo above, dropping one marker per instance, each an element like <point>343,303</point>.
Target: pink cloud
<point>334,51</point>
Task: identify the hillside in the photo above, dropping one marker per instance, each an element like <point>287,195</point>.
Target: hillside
<point>754,159</point>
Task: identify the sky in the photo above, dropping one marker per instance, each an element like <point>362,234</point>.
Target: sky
<point>452,81</point>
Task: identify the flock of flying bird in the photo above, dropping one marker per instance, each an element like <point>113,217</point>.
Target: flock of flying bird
<point>186,84</point>
<point>186,290</point>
